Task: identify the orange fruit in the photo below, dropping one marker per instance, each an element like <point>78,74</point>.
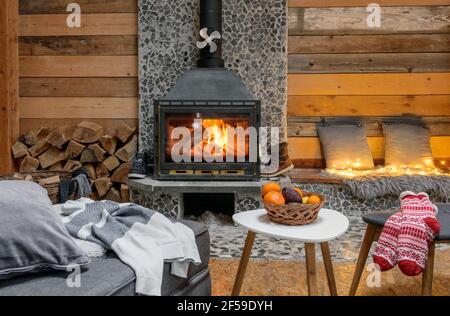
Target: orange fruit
<point>271,186</point>
<point>299,191</point>
<point>274,197</point>
<point>314,199</point>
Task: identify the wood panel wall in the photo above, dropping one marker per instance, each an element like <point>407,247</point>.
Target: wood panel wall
<point>72,74</point>
<point>9,121</point>
<point>338,67</point>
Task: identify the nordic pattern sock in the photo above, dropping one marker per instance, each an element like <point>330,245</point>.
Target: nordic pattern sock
<point>418,228</point>
<point>385,254</point>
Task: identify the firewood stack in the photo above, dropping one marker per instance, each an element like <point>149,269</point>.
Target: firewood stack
<point>107,157</point>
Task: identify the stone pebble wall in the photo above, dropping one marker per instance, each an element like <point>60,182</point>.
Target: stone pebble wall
<point>255,38</point>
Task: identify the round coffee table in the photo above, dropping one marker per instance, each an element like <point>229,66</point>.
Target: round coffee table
<point>329,225</point>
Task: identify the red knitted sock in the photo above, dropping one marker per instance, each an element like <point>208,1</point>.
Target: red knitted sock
<point>385,254</point>
<point>419,227</point>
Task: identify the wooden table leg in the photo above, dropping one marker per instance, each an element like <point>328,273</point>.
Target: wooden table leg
<point>243,263</point>
<point>369,237</point>
<point>329,268</point>
<point>311,273</point>
<point>427,276</point>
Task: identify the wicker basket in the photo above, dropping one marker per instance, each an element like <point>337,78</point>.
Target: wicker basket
<point>52,189</point>
<point>294,213</point>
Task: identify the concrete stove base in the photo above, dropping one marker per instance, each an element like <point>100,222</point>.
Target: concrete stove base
<point>166,197</point>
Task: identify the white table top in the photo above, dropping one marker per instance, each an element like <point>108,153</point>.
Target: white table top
<point>329,225</point>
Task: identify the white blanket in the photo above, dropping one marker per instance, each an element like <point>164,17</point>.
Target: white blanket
<point>141,238</point>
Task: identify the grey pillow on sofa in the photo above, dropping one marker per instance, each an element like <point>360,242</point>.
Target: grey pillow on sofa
<point>407,145</point>
<point>32,236</point>
<point>345,146</point>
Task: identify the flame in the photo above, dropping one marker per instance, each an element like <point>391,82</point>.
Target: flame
<point>218,136</point>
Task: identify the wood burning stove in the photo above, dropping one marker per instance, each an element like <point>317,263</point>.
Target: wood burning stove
<point>207,126</point>
<point>235,157</point>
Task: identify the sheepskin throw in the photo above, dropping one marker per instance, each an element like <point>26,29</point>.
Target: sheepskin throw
<point>374,185</point>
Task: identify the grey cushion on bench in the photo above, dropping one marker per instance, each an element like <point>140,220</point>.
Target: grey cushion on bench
<point>380,218</point>
<point>32,236</point>
<point>108,276</point>
<point>345,143</point>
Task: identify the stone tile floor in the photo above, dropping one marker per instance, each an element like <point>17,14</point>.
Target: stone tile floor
<point>227,241</point>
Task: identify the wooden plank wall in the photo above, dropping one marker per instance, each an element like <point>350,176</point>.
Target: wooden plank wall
<point>71,74</point>
<point>9,77</point>
<point>338,67</point>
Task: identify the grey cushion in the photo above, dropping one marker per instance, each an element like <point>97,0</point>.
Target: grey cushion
<point>380,218</point>
<point>32,236</point>
<point>109,276</point>
<point>407,145</point>
<point>345,143</point>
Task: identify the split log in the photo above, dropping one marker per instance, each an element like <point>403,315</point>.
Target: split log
<point>19,150</point>
<point>124,193</point>
<point>109,143</point>
<point>103,185</point>
<point>51,180</point>
<point>113,195</point>
<point>29,164</point>
<point>59,136</point>
<point>18,176</point>
<point>74,149</point>
<point>35,135</point>
<point>57,167</point>
<point>128,151</point>
<point>93,153</point>
<point>90,169</point>
<point>111,163</point>
<point>39,148</point>
<point>101,171</point>
<point>120,175</point>
<point>88,132</point>
<point>123,131</point>
<point>51,156</point>
<point>28,177</point>
<point>72,165</point>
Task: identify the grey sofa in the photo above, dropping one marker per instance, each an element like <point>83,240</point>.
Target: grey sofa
<point>108,276</point>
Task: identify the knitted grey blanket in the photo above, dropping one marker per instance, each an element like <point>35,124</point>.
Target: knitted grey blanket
<point>372,186</point>
<point>141,238</point>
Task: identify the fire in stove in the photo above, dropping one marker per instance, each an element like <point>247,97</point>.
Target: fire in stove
<point>211,140</point>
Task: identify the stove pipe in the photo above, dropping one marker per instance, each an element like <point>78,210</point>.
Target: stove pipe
<point>211,18</point>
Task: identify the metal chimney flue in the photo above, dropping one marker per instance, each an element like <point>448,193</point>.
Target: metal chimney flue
<point>211,19</point>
